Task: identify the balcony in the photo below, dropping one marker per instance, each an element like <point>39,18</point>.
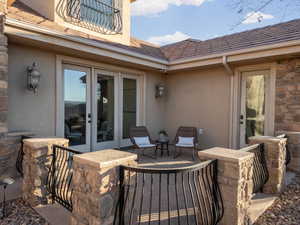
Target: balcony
<point>103,16</point>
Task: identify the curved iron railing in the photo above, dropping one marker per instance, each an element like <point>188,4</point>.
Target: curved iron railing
<point>187,195</point>
<point>103,16</point>
<point>20,157</point>
<point>288,156</point>
<point>260,170</point>
<point>60,176</point>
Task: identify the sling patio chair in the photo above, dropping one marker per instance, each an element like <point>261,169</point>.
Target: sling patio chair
<point>186,138</point>
<point>142,141</point>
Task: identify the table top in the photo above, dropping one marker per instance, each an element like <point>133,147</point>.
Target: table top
<point>163,141</point>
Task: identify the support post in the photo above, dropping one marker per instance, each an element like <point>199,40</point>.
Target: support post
<point>275,153</point>
<point>36,164</point>
<point>96,186</point>
<point>235,180</point>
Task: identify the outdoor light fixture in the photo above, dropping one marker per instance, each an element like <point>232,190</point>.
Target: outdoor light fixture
<point>5,182</point>
<point>160,90</point>
<point>33,78</point>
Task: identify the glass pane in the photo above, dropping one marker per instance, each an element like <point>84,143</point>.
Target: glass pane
<point>105,108</point>
<point>98,12</point>
<point>129,105</point>
<point>75,106</point>
<point>255,106</point>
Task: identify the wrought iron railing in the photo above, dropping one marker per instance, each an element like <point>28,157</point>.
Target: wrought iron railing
<point>60,176</point>
<point>20,157</point>
<point>103,16</point>
<point>288,156</point>
<point>260,170</point>
<point>187,195</point>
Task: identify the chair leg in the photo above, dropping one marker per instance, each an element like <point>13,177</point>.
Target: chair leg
<point>156,152</point>
<point>175,150</point>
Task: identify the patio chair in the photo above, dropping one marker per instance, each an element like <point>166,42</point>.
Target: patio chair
<point>142,141</point>
<point>186,138</point>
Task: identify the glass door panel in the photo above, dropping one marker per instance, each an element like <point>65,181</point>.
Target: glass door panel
<point>253,109</point>
<point>76,106</point>
<point>105,111</point>
<point>129,107</point>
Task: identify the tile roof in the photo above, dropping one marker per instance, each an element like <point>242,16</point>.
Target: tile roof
<point>181,50</point>
<point>274,34</point>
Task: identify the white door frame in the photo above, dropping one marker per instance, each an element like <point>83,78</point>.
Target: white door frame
<point>234,126</point>
<point>127,142</point>
<point>115,142</point>
<point>60,116</point>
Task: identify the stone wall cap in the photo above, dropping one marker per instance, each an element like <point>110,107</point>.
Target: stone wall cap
<point>226,154</point>
<point>38,142</point>
<point>266,139</point>
<point>288,132</point>
<point>105,158</point>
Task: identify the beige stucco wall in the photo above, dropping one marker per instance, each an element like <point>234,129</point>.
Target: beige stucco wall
<point>37,112</point>
<point>28,111</point>
<point>200,99</point>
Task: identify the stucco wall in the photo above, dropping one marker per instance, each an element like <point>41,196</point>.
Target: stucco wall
<point>36,113</point>
<point>200,99</point>
<point>155,107</point>
<point>27,111</point>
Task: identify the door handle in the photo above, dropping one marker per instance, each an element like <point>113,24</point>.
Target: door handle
<point>241,119</point>
<point>89,116</point>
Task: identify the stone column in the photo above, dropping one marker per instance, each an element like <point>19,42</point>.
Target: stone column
<point>96,186</point>
<point>3,72</point>
<point>235,179</point>
<point>275,157</point>
<point>293,144</point>
<point>36,166</point>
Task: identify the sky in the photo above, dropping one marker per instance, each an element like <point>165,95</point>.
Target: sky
<point>163,22</point>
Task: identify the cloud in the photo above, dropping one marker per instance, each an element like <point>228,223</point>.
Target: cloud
<point>256,17</point>
<point>153,7</point>
<point>169,38</point>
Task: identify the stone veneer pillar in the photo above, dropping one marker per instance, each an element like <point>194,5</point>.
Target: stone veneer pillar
<point>235,179</point>
<point>293,144</point>
<point>275,157</point>
<point>36,166</point>
<point>3,72</point>
<point>96,186</point>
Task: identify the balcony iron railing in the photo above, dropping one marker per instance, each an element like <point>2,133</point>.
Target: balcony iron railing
<point>103,16</point>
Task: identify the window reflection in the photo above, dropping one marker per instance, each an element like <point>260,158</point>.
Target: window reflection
<point>105,108</point>
<point>75,106</point>
<point>129,105</point>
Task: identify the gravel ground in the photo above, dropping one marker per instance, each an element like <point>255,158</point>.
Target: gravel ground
<point>286,209</point>
<point>19,213</point>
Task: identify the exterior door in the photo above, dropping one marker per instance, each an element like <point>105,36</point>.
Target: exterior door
<point>254,98</point>
<point>76,109</point>
<point>129,106</point>
<point>105,110</point>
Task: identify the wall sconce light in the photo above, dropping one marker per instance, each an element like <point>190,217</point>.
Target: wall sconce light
<point>160,90</point>
<point>33,78</point>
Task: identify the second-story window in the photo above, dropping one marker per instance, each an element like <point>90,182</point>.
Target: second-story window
<point>103,16</point>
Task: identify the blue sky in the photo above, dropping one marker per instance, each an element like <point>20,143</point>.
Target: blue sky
<point>167,21</point>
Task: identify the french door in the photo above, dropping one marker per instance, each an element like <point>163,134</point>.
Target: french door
<point>255,104</point>
<point>99,107</point>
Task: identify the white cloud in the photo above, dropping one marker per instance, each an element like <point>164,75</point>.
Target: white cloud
<point>256,17</point>
<point>153,7</point>
<point>169,38</point>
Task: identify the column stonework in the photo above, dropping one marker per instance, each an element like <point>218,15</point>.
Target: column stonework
<point>96,186</point>
<point>235,179</point>
<point>293,144</point>
<point>36,164</point>
<point>275,154</point>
